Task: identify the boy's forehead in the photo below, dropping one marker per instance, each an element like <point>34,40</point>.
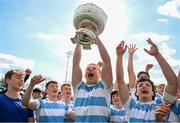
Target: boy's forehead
<point>144,82</point>
<point>92,65</point>
<point>161,85</point>
<point>53,84</point>
<point>65,86</point>
<point>115,94</point>
<point>19,73</point>
<point>143,74</point>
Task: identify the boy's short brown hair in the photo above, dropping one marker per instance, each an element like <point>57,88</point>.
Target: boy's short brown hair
<point>35,90</point>
<point>54,82</point>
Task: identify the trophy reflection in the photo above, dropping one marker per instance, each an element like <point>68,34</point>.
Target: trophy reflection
<point>89,21</point>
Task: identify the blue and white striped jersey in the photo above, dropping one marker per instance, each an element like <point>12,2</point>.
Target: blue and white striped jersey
<point>118,115</point>
<point>51,111</point>
<point>91,102</point>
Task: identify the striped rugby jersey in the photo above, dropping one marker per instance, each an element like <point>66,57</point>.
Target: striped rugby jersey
<point>91,102</point>
<point>51,111</point>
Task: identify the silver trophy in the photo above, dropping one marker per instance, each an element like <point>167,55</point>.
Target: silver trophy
<point>89,21</point>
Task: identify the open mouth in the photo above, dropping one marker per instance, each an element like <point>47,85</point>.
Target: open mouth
<point>144,92</point>
<point>68,93</point>
<point>90,75</point>
<point>116,100</point>
<point>55,91</point>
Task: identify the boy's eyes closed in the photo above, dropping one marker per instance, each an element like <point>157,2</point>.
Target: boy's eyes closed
<point>20,77</point>
<point>147,84</point>
<point>140,84</point>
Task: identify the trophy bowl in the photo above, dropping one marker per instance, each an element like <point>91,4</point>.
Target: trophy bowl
<point>89,20</point>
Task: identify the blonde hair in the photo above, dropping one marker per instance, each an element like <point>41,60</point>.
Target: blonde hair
<point>65,84</point>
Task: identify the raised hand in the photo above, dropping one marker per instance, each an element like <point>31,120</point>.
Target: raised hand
<point>132,48</point>
<point>28,71</point>
<point>148,67</point>
<point>121,48</point>
<point>100,64</point>
<point>153,50</point>
<point>37,79</point>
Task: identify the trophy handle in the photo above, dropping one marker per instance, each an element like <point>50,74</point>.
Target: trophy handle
<point>73,40</point>
<point>85,47</point>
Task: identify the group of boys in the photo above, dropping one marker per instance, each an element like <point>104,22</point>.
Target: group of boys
<point>92,98</point>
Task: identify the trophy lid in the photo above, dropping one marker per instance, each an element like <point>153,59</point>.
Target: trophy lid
<point>91,12</point>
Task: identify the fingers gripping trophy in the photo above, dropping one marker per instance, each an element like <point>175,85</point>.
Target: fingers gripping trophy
<point>89,21</point>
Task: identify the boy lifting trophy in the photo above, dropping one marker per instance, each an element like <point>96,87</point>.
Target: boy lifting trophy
<point>89,21</point>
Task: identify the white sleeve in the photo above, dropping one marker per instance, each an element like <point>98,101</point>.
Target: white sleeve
<point>169,98</point>
<point>69,110</point>
<point>75,89</point>
<point>37,101</point>
<point>133,91</point>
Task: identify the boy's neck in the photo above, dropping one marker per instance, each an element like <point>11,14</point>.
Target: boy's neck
<point>145,100</point>
<point>66,99</point>
<point>12,94</point>
<point>52,97</point>
<point>119,106</point>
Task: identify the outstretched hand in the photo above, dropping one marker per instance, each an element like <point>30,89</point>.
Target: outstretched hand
<point>153,50</point>
<point>132,48</point>
<point>121,48</point>
<point>37,79</point>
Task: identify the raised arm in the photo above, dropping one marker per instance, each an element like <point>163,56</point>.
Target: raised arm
<point>132,77</point>
<point>106,68</point>
<point>28,73</point>
<point>123,90</point>
<point>172,81</point>
<point>27,95</point>
<point>76,69</point>
<point>148,67</point>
